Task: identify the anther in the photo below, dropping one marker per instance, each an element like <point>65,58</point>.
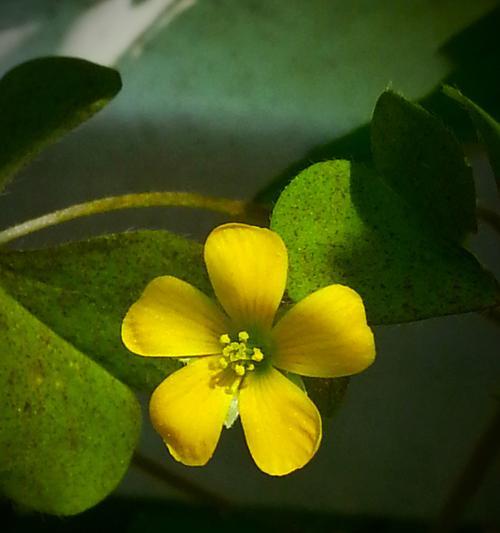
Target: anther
<point>243,336</point>
<point>238,356</point>
<point>239,369</point>
<point>257,355</point>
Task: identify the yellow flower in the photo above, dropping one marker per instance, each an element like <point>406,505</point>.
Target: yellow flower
<point>239,354</point>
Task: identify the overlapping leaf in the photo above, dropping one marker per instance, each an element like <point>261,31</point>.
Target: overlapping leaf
<point>343,224</point>
<point>82,291</point>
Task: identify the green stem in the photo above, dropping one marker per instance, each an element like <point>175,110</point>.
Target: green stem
<point>237,209</point>
<point>196,492</point>
<point>470,478</point>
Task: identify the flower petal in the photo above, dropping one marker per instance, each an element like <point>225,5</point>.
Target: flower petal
<point>173,318</point>
<point>247,266</point>
<point>325,335</point>
<point>282,426</point>
<point>188,410</point>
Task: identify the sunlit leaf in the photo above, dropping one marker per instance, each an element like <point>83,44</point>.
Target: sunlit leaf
<point>67,427</point>
<point>82,291</point>
<point>343,224</point>
<point>42,99</point>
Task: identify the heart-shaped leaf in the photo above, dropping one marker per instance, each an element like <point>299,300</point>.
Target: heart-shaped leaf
<point>44,98</point>
<point>67,428</point>
<point>343,224</point>
<point>82,291</point>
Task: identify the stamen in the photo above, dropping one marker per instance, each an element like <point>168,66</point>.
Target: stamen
<point>239,369</point>
<point>257,355</point>
<point>240,357</point>
<point>243,336</point>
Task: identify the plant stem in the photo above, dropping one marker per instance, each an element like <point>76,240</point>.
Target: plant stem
<point>470,478</point>
<point>237,209</point>
<point>198,493</point>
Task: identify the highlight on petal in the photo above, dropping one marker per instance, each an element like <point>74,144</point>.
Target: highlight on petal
<point>247,266</point>
<point>325,335</point>
<point>282,426</point>
<point>188,410</point>
<point>173,318</point>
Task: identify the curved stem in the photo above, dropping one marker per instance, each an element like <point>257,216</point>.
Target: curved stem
<point>178,482</point>
<point>235,208</point>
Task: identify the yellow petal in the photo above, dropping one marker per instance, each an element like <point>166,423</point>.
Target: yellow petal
<point>325,335</point>
<point>173,318</point>
<point>282,426</point>
<point>188,410</point>
<point>247,266</point>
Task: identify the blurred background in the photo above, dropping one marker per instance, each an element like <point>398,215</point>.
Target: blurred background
<point>222,96</point>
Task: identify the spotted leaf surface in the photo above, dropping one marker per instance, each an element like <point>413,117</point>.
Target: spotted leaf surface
<point>342,224</point>
<point>67,427</point>
<point>82,291</point>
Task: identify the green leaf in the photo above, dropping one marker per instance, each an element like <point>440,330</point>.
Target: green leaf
<point>82,291</point>
<point>343,224</point>
<point>487,127</point>
<point>327,393</point>
<point>424,163</point>
<point>67,428</point>
<point>44,98</point>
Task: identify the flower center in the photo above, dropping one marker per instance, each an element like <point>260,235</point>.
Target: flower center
<point>239,356</point>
